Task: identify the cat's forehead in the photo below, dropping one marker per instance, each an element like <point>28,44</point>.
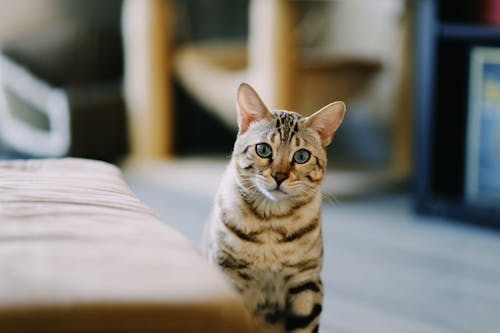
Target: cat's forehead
<point>284,115</point>
<point>286,123</point>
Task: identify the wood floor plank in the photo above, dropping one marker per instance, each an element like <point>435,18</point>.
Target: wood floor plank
<point>442,275</point>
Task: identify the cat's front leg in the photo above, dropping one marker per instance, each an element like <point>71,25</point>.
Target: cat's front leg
<point>304,305</point>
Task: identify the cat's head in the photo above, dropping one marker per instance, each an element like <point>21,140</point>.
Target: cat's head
<point>281,155</point>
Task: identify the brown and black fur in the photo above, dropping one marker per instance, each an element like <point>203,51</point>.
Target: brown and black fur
<point>265,229</point>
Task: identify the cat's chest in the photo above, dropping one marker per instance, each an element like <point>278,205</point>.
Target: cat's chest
<point>268,247</point>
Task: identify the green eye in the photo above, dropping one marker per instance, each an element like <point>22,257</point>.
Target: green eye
<point>301,156</point>
<point>264,150</point>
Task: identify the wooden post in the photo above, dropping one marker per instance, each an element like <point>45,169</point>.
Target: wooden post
<point>402,135</point>
<point>147,39</point>
<point>272,51</point>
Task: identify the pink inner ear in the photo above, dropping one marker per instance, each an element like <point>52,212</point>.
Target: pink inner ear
<point>245,119</point>
<point>327,120</point>
<point>250,107</point>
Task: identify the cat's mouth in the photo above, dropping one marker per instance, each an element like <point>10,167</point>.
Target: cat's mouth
<point>278,190</point>
<point>274,193</point>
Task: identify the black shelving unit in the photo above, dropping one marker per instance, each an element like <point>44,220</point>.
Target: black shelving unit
<point>444,37</point>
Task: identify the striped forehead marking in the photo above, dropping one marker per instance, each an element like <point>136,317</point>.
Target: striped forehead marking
<point>287,125</point>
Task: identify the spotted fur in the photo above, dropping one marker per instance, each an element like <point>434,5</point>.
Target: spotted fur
<point>265,232</point>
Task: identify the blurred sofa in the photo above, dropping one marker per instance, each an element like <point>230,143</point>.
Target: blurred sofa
<point>80,253</point>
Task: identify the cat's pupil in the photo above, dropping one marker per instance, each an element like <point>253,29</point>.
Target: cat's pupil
<point>301,156</point>
<point>264,150</point>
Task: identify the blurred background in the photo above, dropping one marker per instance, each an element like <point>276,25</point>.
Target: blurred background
<point>413,187</point>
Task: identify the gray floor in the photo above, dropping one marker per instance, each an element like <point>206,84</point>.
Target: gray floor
<point>386,270</point>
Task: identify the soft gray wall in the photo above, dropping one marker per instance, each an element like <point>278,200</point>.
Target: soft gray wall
<point>18,17</point>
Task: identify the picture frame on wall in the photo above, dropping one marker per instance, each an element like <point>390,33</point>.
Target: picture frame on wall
<point>482,167</point>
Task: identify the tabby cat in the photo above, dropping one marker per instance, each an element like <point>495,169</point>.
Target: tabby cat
<point>265,228</point>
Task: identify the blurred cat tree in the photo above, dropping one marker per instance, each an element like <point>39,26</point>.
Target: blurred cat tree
<point>275,59</point>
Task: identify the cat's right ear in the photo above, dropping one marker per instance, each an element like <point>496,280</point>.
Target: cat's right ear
<point>250,107</point>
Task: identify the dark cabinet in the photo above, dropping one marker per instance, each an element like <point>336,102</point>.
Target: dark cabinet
<point>445,34</point>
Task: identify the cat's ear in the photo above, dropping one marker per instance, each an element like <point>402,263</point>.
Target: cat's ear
<point>250,107</point>
<point>326,121</point>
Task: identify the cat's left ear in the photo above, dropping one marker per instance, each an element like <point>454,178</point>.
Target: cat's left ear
<point>250,107</point>
<point>326,121</point>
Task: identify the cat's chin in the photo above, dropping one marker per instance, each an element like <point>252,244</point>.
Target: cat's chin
<point>275,194</point>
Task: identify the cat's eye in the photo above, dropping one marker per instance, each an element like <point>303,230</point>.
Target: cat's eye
<point>264,150</point>
<point>301,156</point>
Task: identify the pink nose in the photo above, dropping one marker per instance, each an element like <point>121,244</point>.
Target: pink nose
<point>279,176</point>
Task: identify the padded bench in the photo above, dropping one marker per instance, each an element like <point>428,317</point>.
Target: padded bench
<point>80,253</point>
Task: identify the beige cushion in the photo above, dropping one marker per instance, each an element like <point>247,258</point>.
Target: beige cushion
<point>80,253</point>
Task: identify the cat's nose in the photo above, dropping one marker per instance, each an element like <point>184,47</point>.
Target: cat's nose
<point>279,176</point>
